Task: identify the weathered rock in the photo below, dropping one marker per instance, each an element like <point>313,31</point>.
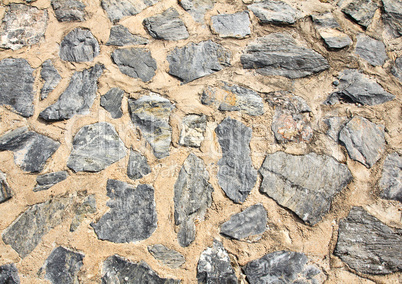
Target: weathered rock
<point>88,206</point>
<point>193,127</point>
<point>132,215</point>
<point>151,114</point>
<point>278,54</point>
<point>304,184</point>
<point>371,50</point>
<point>51,78</point>
<point>334,125</point>
<point>95,147</point>
<point>197,8</point>
<point>192,198</point>
<point>111,101</point>
<point>135,62</point>
<point>361,11</point>
<point>121,36</point>
<point>77,98</point>
<point>214,266</point>
<point>396,69</point>
<point>274,12</point>
<point>118,9</point>
<point>31,149</point>
<point>232,25</point>
<point>46,181</point>
<point>391,179</point>
<point>330,31</point>
<point>137,165</point>
<point>22,25</point>
<point>197,60</point>
<point>9,274</point>
<point>167,26</point>
<point>79,45</point>
<point>363,140</point>
<point>392,16</point>
<point>236,174</point>
<point>169,257</point>
<point>16,85</point>
<point>69,10</point>
<point>367,245</point>
<point>5,190</point>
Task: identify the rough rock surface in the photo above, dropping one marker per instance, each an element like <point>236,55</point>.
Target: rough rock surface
<point>111,101</point>
<point>304,184</point>
<point>88,206</point>
<point>77,98</point>
<point>192,130</point>
<point>197,8</point>
<point>132,216</point>
<point>371,50</point>
<point>51,78</point>
<point>274,12</point>
<point>236,174</point>
<point>79,45</point>
<point>367,245</point>
<point>197,60</point>
<point>334,125</point>
<point>5,190</point>
<point>69,10</point>
<point>121,36</point>
<point>330,31</point>
<point>169,257</point>
<point>361,11</point>
<point>192,197</point>
<point>396,69</point>
<point>392,16</point>
<point>46,181</point>
<point>391,179</point>
<point>118,9</point>
<point>137,165</point>
<point>278,54</point>
<point>231,25</point>
<point>9,274</point>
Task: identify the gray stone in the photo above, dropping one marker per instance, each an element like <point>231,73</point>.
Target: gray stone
<point>363,140</point>
<point>121,36</point>
<point>167,26</point>
<point>392,16</point>
<point>132,215</point>
<point>391,179</point>
<point>193,127</point>
<point>232,25</point>
<point>192,198</point>
<point>367,245</point>
<point>137,165</point>
<point>304,184</point>
<point>135,62</point>
<point>396,69</point>
<point>197,8</point>
<point>236,174</point>
<point>88,206</point>
<point>361,11</point>
<point>46,181</point>
<point>274,12</point>
<point>214,266</point>
<point>51,78</point>
<point>252,221</point>
<point>95,147</point>
<point>77,98</point>
<point>79,45</point>
<point>169,257</point>
<point>371,50</point>
<point>278,54</point>
<point>334,125</point>
<point>9,274</point>
<point>16,85</point>
<point>118,9</point>
<point>151,114</point>
<point>5,190</point>
<point>111,101</point>
<point>31,149</point>
<point>330,31</point>
<point>69,10</point>
<point>22,25</point>
<point>197,60</point>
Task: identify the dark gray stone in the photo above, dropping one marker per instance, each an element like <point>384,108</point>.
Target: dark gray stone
<point>371,50</point>
<point>391,179</point>
<point>16,85</point>
<point>9,274</point>
<point>236,174</point>
<point>77,98</point>
<point>46,181</point>
<point>79,45</point>
<point>232,25</point>
<point>392,16</point>
<point>367,245</point>
<point>51,78</point>
<point>278,54</point>
<point>5,190</point>
<point>69,10</point>
<point>197,60</point>
<point>118,9</point>
<point>132,215</point>
<point>137,165</point>
<point>192,198</point>
<point>396,69</point>
<point>111,101</point>
<point>197,8</point>
<point>330,31</point>
<point>88,206</point>
<point>334,125</point>
<point>274,12</point>
<point>169,257</point>
<point>361,11</point>
<point>121,36</point>
<point>304,184</point>
<point>192,130</point>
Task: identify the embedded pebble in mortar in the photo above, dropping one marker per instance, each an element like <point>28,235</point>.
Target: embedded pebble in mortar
<point>192,130</point>
<point>231,25</point>
<point>396,69</point>
<point>371,50</point>
<point>334,125</point>
<point>9,274</point>
<point>69,10</point>
<point>168,257</point>
<point>5,190</point>
<point>197,8</point>
<point>392,16</point>
<point>118,9</point>
<point>137,166</point>
<point>46,181</point>
<point>361,11</point>
<point>329,30</point>
<point>391,179</point>
<point>121,36</point>
<point>79,45</point>
<point>51,78</point>
<point>111,101</point>
<point>274,12</point>
<point>88,206</point>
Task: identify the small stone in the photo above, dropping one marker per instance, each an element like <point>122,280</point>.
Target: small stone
<point>51,78</point>
<point>274,12</point>
<point>88,206</point>
<point>197,60</point>
<point>167,256</point>
<point>371,50</point>
<point>329,30</point>
<point>111,101</point>
<point>396,69</point>
<point>192,130</point>
<point>392,16</point>
<point>137,166</point>
<point>5,190</point>
<point>361,11</point>
<point>69,10</point>
<point>9,274</point>
<point>118,9</point>
<point>391,179</point>
<point>46,181</point>
<point>232,25</point>
<point>79,45</point>
<point>197,8</point>
<point>367,245</point>
<point>121,36</point>
<point>334,126</point>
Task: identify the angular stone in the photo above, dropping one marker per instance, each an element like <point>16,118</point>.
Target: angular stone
<point>169,257</point>
<point>79,45</point>
<point>16,85</point>
<point>9,274</point>
<point>391,179</point>
<point>118,9</point>
<point>69,10</point>
<point>197,8</point>
<point>46,181</point>
<point>396,69</point>
<point>361,11</point>
<point>392,16</point>
<point>236,174</point>
<point>274,12</point>
<point>137,165</point>
<point>363,140</point>
<point>77,98</point>
<point>197,60</point>
<point>214,266</point>
<point>167,26</point>
<point>111,101</point>
<point>121,36</point>
<point>5,190</point>
<point>51,78</point>
<point>151,114</point>
<point>193,127</point>
<point>371,50</point>
<point>192,198</point>
<point>329,30</point>
<point>334,126</point>
<point>278,54</point>
<point>132,215</point>
<point>88,206</point>
<point>95,147</point>
<point>231,25</point>
<point>22,25</point>
<point>304,184</point>
<point>367,245</point>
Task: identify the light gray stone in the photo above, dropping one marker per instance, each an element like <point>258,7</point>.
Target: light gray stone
<point>392,16</point>
<point>118,9</point>
<point>330,31</point>
<point>9,274</point>
<point>79,45</point>
<point>46,181</point>
<point>396,69</point>
<point>168,257</point>
<point>334,125</point>
<point>371,50</point>
<point>193,127</point>
<point>111,101</point>
<point>51,78</point>
<point>231,25</point>
<point>391,179</point>
<point>5,190</point>
<point>137,166</point>
<point>121,36</point>
<point>361,11</point>
<point>197,8</point>
<point>88,206</point>
<point>274,12</point>
<point>69,10</point>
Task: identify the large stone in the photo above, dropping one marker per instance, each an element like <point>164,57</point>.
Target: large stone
<point>5,190</point>
<point>79,45</point>
<point>88,206</point>
<point>137,165</point>
<point>69,10</point>
<point>192,198</point>
<point>111,101</point>
<point>232,25</point>
<point>361,11</point>
<point>22,25</point>
<point>132,215</point>
<point>77,98</point>
<point>197,8</point>
<point>168,257</point>
<point>278,54</point>
<point>16,85</point>
<point>391,179</point>
<point>371,50</point>
<point>9,274</point>
<point>396,69</point>
<point>367,245</point>
<point>46,181</point>
<point>118,9</point>
<point>192,130</point>
<point>95,147</point>
<point>121,36</point>
<point>274,12</point>
<point>334,125</point>
<point>51,78</point>
<point>197,60</point>
<point>330,31</point>
<point>236,174</point>
<point>304,184</point>
<point>392,16</point>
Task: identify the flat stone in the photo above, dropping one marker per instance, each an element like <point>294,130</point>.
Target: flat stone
<point>278,54</point>
<point>79,45</point>
<point>236,174</point>
<point>192,198</point>
<point>361,11</point>
<point>88,206</point>
<point>363,140</point>
<point>167,26</point>
<point>151,114</point>
<point>334,125</point>
<point>330,31</point>
<point>214,266</point>
<point>391,179</point>
<point>194,61</point>
<point>132,215</point>
<point>16,85</point>
<point>396,69</point>
<point>46,181</point>
<point>111,101</point>
<point>193,127</point>
<point>5,190</point>
<point>51,78</point>
<point>274,12</point>
<point>392,16</point>
<point>137,165</point>
<point>168,257</point>
<point>304,184</point>
<point>367,245</point>
<point>9,274</point>
<point>22,25</point>
<point>77,98</point>
<point>371,50</point>
<point>121,36</point>
<point>232,25</point>
<point>118,9</point>
<point>95,147</point>
<point>197,8</point>
<point>69,10</point>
